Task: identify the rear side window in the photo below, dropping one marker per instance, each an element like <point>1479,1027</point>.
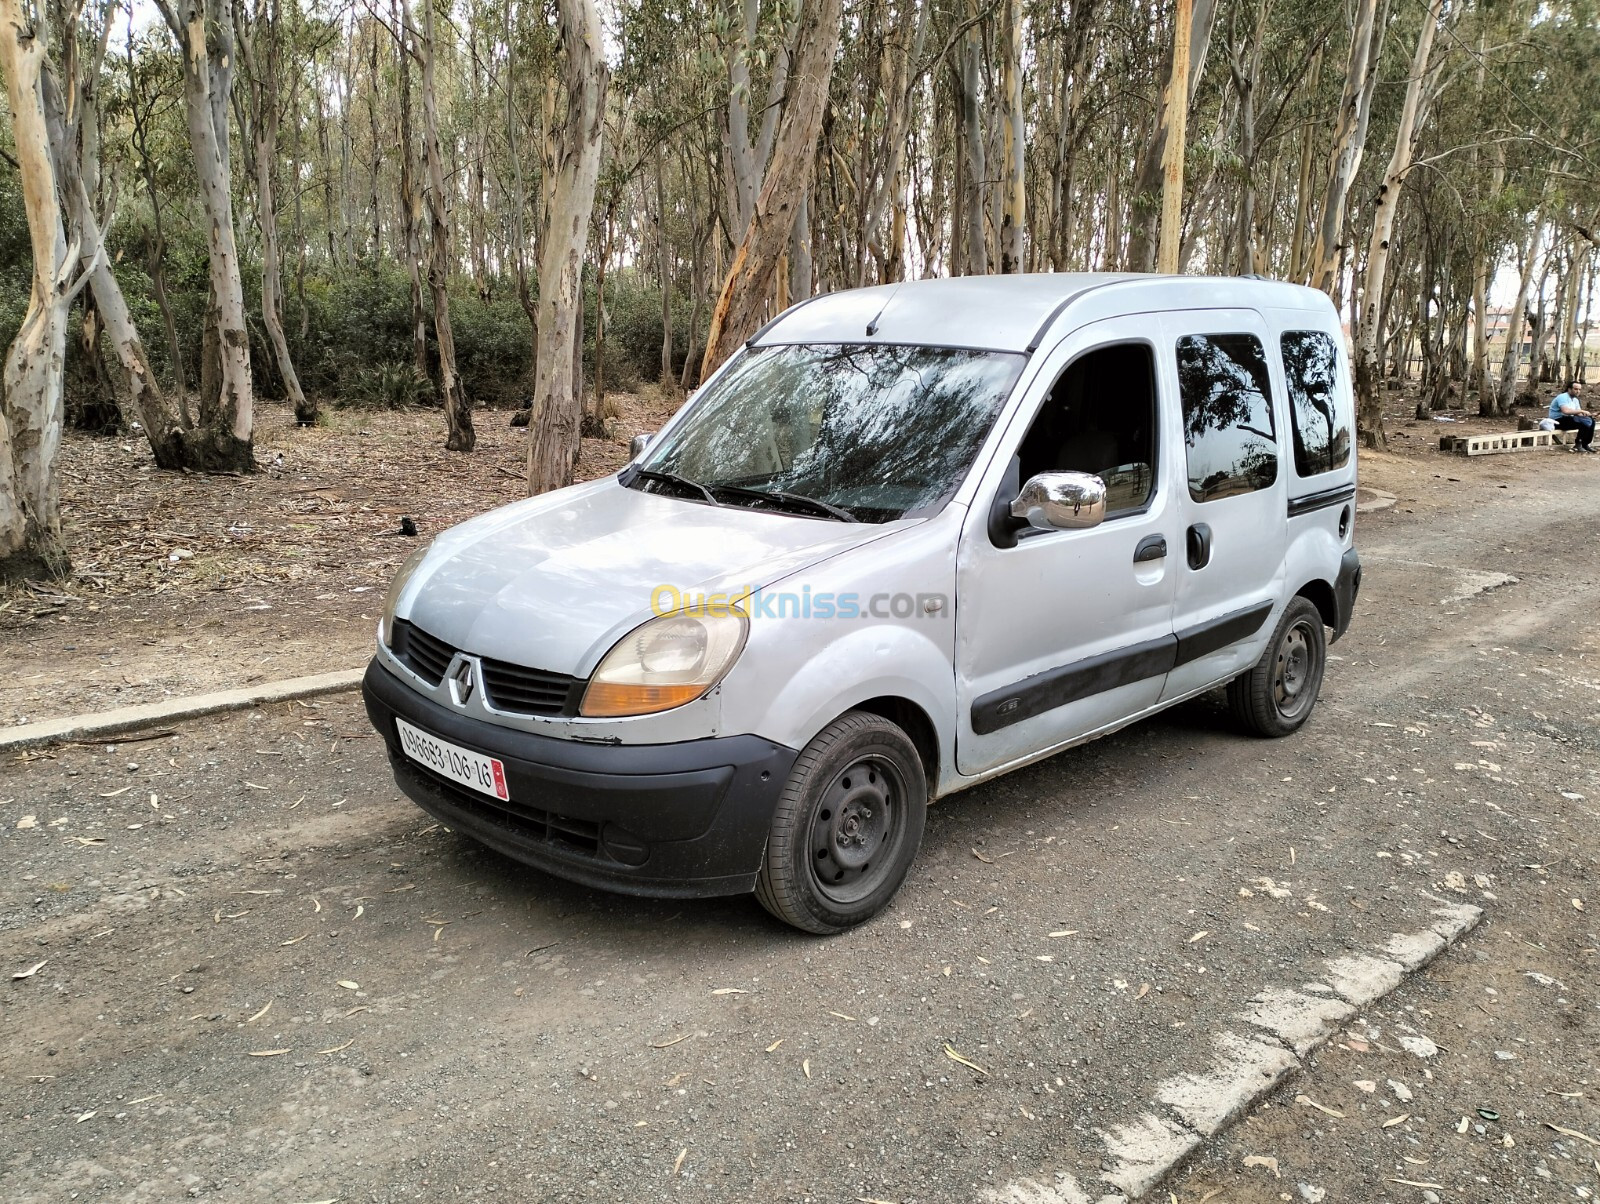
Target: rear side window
<point>1227,415</point>
<point>1321,415</point>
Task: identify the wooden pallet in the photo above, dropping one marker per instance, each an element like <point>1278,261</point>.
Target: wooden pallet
<point>1488,445</point>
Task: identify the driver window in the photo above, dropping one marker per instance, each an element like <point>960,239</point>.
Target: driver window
<point>1100,418</point>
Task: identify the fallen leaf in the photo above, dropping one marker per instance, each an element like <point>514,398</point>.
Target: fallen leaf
<point>261,1013</point>
<point>348,985</point>
<point>1414,1183</point>
<point>267,1053</point>
<point>1262,1160</point>
<point>1066,932</point>
<point>1572,1133</point>
<point>1415,1161</point>
<point>253,786</point>
<point>88,839</point>
<point>31,970</point>
<point>841,1015</point>
<point>806,1066</point>
<point>1578,903</point>
<point>678,1165</point>
<point>1204,932</point>
<point>1397,1120</point>
<point>338,1048</point>
<point>673,1041</point>
<point>27,822</point>
<point>981,857</point>
<point>114,793</point>
<point>730,991</point>
<point>84,1117</point>
<point>1144,989</point>
<point>294,941</point>
<point>1308,1102</point>
<point>1045,957</point>
<point>955,1057</point>
<point>775,1044</point>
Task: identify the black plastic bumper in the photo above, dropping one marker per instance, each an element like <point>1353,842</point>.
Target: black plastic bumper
<point>1345,590</point>
<point>670,820</point>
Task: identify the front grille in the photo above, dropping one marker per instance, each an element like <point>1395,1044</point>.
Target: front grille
<point>528,691</point>
<point>511,688</point>
<point>420,652</point>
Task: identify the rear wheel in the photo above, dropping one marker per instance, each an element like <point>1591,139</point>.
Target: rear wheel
<point>1276,696</point>
<point>847,826</point>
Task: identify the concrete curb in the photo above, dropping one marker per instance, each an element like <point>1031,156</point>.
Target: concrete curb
<point>104,724</point>
<point>1288,1024</point>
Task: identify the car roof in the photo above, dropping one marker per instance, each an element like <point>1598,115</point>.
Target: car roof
<point>1007,313</point>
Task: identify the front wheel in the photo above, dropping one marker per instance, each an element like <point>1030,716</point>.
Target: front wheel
<point>847,826</point>
<point>1276,696</point>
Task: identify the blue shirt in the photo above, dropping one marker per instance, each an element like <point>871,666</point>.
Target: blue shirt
<point>1559,400</point>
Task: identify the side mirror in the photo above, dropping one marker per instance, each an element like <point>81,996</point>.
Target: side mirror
<point>637,445</point>
<point>1061,501</point>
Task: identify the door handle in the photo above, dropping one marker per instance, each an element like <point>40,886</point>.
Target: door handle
<point>1151,547</point>
<point>1199,546</point>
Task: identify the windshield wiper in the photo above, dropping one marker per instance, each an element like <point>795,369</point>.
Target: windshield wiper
<point>825,509</point>
<point>672,478</point>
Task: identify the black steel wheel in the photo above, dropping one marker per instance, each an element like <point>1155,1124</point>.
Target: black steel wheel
<point>1276,696</point>
<point>847,826</point>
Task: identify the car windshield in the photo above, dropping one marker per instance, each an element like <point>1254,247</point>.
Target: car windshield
<point>862,432</point>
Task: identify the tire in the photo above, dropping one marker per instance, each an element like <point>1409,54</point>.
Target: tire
<point>1276,697</point>
<point>847,826</point>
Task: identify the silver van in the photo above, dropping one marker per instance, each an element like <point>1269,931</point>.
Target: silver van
<point>909,538</point>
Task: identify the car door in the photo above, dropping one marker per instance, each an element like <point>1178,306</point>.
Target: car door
<point>1063,633</point>
<point>1229,566</point>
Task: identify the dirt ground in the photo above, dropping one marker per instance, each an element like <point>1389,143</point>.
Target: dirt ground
<point>239,967</point>
<point>185,583</point>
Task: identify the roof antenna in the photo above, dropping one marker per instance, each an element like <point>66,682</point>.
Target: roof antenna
<point>872,326</point>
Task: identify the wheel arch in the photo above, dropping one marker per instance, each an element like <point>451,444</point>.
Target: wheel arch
<point>917,725</point>
<point>1320,594</point>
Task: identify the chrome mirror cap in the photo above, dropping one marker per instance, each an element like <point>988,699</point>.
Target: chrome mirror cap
<point>638,443</point>
<point>1061,501</point>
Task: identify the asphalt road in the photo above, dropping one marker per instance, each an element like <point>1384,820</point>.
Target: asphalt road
<point>267,977</point>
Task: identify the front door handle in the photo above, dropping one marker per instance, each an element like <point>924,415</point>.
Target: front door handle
<point>1199,546</point>
<point>1151,547</point>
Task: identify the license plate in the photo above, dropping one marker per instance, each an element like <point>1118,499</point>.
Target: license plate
<point>473,770</point>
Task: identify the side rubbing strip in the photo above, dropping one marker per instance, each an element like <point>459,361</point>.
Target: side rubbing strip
<point>1318,501</point>
<point>1212,636</point>
<point>1057,687</point>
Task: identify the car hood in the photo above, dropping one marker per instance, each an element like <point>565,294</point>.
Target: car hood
<point>553,582</point>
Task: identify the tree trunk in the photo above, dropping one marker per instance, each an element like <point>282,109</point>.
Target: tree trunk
<point>1369,401</point>
<point>1013,219</point>
<point>1176,125</point>
<point>1512,359</point>
<point>1149,173</point>
<point>457,408</point>
<point>259,47</point>
<point>975,242</point>
<point>1349,141</point>
<point>749,280</point>
<point>221,440</point>
<point>30,407</point>
<point>410,200</point>
<point>553,441</point>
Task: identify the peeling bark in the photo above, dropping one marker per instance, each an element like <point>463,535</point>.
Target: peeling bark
<point>557,405</point>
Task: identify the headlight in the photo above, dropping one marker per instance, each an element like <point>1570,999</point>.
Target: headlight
<point>665,663</point>
<point>396,588</point>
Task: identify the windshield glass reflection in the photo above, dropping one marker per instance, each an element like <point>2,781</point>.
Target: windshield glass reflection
<point>872,433</point>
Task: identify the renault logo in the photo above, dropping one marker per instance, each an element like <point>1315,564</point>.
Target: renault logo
<point>462,683</point>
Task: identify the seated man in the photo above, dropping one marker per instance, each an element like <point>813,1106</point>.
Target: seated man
<point>1569,415</point>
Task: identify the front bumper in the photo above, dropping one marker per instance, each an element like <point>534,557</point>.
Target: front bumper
<point>670,820</point>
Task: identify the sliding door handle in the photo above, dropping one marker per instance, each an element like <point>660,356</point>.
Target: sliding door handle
<point>1199,546</point>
